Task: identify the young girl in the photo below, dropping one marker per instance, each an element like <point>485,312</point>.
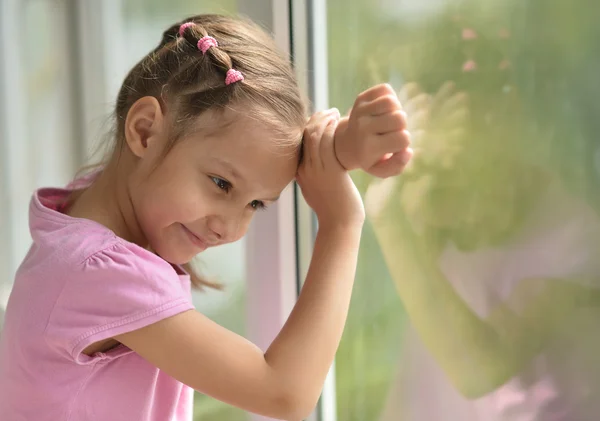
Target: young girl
<point>100,323</point>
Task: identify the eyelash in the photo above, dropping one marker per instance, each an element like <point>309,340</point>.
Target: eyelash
<point>258,205</point>
<point>222,184</point>
<point>226,187</point>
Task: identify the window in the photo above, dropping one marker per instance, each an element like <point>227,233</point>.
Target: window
<point>477,289</point>
<point>472,261</point>
<point>35,86</point>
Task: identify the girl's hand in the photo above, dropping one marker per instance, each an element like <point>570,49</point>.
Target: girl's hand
<point>326,185</point>
<point>374,137</point>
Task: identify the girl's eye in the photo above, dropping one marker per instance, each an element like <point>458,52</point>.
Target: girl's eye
<point>222,184</point>
<point>257,205</point>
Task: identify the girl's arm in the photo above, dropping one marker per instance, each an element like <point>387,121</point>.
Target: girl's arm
<point>286,381</point>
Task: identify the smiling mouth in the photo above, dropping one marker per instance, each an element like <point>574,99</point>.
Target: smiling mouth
<point>196,240</point>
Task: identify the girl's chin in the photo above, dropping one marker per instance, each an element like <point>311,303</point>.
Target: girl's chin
<point>176,257</point>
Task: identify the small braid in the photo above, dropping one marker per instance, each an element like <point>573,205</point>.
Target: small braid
<point>197,36</point>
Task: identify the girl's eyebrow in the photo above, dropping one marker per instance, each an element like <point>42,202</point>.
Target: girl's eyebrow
<point>236,174</point>
<point>229,167</point>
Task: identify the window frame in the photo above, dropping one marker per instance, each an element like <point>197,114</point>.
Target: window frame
<point>17,153</point>
<point>309,47</point>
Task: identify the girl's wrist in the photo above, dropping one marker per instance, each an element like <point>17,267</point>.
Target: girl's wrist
<point>342,146</point>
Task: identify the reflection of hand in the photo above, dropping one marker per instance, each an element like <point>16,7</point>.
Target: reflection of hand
<point>437,123</point>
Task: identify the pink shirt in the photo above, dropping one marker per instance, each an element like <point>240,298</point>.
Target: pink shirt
<point>80,284</point>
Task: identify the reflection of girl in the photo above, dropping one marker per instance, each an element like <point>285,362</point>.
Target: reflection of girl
<point>496,263</point>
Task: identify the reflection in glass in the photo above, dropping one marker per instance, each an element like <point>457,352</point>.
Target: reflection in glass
<point>492,237</point>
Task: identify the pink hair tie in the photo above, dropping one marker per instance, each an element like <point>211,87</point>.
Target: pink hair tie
<point>233,76</point>
<point>205,43</point>
<point>185,26</point>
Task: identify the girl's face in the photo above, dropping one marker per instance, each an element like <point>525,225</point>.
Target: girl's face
<point>206,190</point>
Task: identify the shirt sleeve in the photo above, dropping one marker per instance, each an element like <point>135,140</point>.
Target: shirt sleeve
<point>117,290</point>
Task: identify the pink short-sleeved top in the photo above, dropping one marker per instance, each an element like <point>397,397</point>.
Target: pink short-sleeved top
<point>80,284</point>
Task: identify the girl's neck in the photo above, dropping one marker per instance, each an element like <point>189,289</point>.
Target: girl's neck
<point>108,201</point>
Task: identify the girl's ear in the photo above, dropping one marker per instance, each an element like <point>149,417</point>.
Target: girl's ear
<point>144,125</point>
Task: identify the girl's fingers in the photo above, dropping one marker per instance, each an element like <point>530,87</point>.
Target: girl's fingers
<point>386,123</point>
<point>392,166</point>
<point>382,105</point>
<point>326,149</point>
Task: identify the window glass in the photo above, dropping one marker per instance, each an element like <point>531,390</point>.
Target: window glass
<point>477,295</point>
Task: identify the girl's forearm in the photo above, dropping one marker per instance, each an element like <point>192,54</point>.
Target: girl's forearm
<point>305,348</point>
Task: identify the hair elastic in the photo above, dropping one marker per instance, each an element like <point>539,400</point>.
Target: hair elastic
<point>185,26</point>
<point>233,76</point>
<point>205,43</point>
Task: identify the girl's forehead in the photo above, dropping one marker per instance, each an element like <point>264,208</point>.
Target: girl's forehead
<point>252,137</point>
<point>246,118</point>
<point>250,151</point>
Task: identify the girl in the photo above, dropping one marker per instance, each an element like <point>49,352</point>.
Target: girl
<point>208,131</point>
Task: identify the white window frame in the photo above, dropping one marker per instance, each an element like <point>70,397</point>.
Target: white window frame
<point>309,38</point>
<point>280,241</point>
<point>271,263</point>
<point>97,24</point>
<point>17,153</point>
<point>12,135</point>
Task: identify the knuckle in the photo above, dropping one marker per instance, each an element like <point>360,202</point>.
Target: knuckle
<point>407,135</point>
<point>364,93</point>
<point>361,124</point>
<point>405,140</point>
<point>399,117</point>
<point>391,101</point>
<point>386,87</point>
<point>401,139</point>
